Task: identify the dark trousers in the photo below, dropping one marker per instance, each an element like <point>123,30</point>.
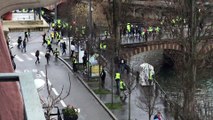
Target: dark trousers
<point>74,67</point>
<point>47,60</point>
<point>102,82</point>
<point>37,59</point>
<point>117,86</point>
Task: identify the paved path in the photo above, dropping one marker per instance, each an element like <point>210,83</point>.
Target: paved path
<point>58,76</point>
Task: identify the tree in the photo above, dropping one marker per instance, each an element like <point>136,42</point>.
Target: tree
<point>51,101</point>
<point>147,100</point>
<point>189,24</point>
<point>129,79</point>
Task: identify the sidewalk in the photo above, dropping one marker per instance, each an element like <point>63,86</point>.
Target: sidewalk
<point>123,112</point>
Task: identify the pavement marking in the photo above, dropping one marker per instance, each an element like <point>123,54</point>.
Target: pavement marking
<point>63,104</point>
<point>42,53</point>
<point>35,70</point>
<point>26,70</point>
<point>32,53</point>
<point>28,57</point>
<point>49,82</point>
<point>54,90</point>
<point>19,59</point>
<point>18,71</point>
<point>42,73</point>
<point>14,44</point>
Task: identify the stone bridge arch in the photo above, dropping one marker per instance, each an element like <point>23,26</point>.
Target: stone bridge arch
<point>127,51</point>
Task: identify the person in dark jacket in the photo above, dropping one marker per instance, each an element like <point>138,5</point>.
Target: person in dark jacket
<point>47,56</point>
<point>103,76</point>
<point>84,58</point>
<point>37,56</point>
<point>19,41</point>
<point>44,40</point>
<point>24,44</point>
<point>74,63</point>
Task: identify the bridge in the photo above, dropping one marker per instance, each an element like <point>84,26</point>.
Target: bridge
<point>131,48</point>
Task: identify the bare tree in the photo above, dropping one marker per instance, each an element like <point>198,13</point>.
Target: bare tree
<point>189,24</point>
<point>147,101</point>
<point>52,100</point>
<point>129,79</point>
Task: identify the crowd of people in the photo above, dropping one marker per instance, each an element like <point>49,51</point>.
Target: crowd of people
<point>137,32</point>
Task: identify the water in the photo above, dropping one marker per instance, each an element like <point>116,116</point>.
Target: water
<point>165,73</point>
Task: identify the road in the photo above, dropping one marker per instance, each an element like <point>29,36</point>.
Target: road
<point>57,74</point>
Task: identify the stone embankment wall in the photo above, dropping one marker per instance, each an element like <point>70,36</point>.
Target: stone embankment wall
<point>155,58</point>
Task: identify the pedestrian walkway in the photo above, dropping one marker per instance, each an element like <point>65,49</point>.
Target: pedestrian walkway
<point>57,74</point>
<point>136,97</point>
<point>123,112</point>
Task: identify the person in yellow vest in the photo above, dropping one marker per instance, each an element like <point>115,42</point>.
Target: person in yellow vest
<point>157,29</point>
<point>103,46</point>
<point>53,26</point>
<point>83,30</point>
<point>48,41</point>
<point>58,37</point>
<point>128,27</point>
<point>123,95</point>
<point>105,34</point>
<point>24,10</point>
<point>52,36</point>
<point>150,77</point>
<point>122,85</point>
<point>59,25</point>
<point>117,80</point>
<point>74,63</point>
<point>150,29</point>
<point>56,53</point>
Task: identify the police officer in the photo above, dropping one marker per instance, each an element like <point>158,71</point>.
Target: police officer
<point>117,79</point>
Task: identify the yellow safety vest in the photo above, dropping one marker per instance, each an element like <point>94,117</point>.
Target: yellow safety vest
<point>150,76</point>
<point>150,29</point>
<point>128,27</point>
<point>157,29</point>
<point>48,41</point>
<point>117,76</point>
<point>122,85</point>
<point>75,61</point>
<point>52,34</point>
<point>102,46</point>
<point>56,52</point>
<point>143,33</point>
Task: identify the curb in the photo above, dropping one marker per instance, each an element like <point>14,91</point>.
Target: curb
<point>90,90</point>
